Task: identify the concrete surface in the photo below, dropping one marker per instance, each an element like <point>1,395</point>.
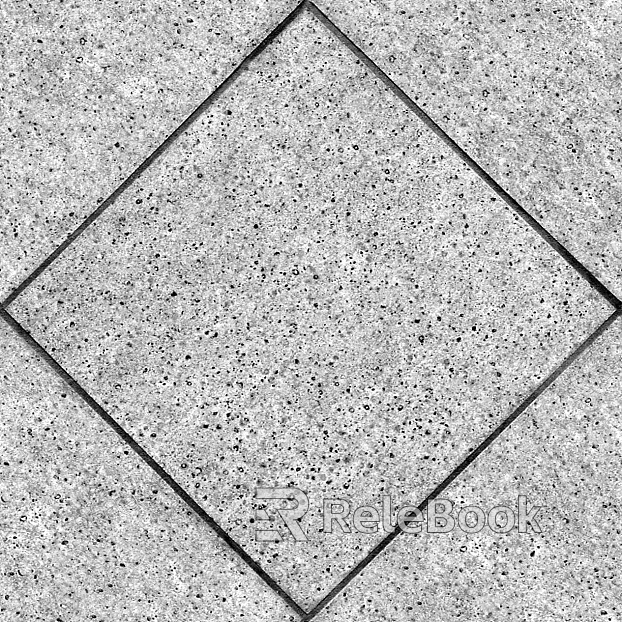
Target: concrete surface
<point>531,90</point>
<point>89,90</point>
<point>308,288</point>
<point>564,454</point>
<point>88,530</point>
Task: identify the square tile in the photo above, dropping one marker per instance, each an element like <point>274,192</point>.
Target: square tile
<point>309,289</point>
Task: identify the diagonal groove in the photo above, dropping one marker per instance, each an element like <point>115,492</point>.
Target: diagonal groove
<point>591,278</point>
<point>164,146</point>
<point>148,459</point>
<point>160,150</point>
<point>466,463</point>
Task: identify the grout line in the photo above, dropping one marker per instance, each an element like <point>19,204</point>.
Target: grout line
<point>151,462</point>
<point>470,458</point>
<point>592,279</point>
<point>224,85</point>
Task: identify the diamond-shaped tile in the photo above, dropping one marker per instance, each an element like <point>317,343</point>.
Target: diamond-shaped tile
<point>309,288</point>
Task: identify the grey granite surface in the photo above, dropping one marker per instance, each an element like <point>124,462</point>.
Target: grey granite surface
<point>89,531</point>
<point>563,455</point>
<point>312,286</point>
<point>531,89</point>
<point>89,90</point>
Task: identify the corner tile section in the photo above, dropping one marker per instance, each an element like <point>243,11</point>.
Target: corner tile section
<point>563,454</point>
<point>89,90</point>
<point>530,89</point>
<point>88,531</point>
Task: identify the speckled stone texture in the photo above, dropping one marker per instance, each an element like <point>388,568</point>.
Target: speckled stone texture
<point>531,89</point>
<point>564,453</point>
<point>89,531</point>
<point>89,89</point>
<point>309,289</point>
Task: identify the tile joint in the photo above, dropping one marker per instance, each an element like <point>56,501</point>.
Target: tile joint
<point>466,462</point>
<point>85,396</point>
